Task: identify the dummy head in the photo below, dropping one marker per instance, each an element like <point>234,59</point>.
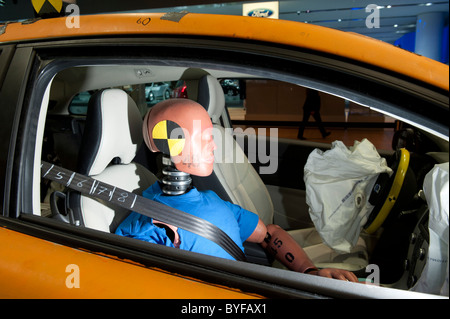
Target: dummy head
<point>182,129</point>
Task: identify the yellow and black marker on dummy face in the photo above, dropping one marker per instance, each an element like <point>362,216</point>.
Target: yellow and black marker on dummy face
<point>168,137</point>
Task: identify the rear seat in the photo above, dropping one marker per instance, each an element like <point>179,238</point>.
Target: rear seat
<point>62,139</point>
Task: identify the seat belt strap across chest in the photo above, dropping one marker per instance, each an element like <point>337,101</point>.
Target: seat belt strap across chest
<point>93,188</point>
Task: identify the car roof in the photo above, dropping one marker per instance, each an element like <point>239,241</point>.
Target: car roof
<point>281,32</point>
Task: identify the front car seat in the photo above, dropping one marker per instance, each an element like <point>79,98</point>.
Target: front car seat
<point>238,182</point>
<point>112,136</point>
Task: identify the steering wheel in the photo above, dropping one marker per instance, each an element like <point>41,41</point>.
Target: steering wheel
<point>377,219</point>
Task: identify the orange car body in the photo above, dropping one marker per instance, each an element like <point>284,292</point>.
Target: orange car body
<point>348,45</point>
<point>39,268</point>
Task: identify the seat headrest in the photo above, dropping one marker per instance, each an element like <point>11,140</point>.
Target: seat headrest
<point>211,97</point>
<point>113,130</point>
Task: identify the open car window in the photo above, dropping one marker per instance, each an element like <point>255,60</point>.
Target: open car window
<point>256,98</point>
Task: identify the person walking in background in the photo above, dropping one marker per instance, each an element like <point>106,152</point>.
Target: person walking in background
<point>312,107</point>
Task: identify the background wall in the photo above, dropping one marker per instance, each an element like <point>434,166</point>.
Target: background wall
<point>268,100</point>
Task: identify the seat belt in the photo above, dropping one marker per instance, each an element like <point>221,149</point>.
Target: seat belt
<point>93,188</point>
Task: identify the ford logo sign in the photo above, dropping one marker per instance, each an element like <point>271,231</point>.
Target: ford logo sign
<point>261,13</point>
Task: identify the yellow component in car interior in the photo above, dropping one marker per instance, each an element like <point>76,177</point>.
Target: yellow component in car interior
<point>163,133</point>
<point>393,193</point>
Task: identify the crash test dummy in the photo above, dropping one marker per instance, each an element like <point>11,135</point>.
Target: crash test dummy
<point>182,130</point>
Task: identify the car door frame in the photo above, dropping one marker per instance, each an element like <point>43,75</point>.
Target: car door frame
<point>264,280</point>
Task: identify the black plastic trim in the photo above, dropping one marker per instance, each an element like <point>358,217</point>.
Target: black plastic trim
<point>12,96</point>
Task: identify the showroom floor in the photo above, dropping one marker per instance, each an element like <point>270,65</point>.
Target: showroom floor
<point>380,137</point>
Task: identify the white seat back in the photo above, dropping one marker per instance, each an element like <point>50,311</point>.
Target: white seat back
<point>243,186</point>
<point>111,138</point>
<point>238,178</point>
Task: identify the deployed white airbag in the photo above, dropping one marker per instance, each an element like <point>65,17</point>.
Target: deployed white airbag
<point>434,278</point>
<point>338,185</point>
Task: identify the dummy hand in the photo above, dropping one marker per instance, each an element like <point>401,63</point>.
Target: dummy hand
<point>336,274</point>
<point>287,251</point>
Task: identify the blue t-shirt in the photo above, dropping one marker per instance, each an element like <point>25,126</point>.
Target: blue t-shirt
<point>235,221</point>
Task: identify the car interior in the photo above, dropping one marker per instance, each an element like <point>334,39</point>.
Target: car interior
<point>91,123</point>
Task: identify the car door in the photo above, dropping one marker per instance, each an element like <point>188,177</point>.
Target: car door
<point>36,64</point>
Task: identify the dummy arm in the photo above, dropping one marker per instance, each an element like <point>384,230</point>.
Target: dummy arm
<point>286,250</point>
